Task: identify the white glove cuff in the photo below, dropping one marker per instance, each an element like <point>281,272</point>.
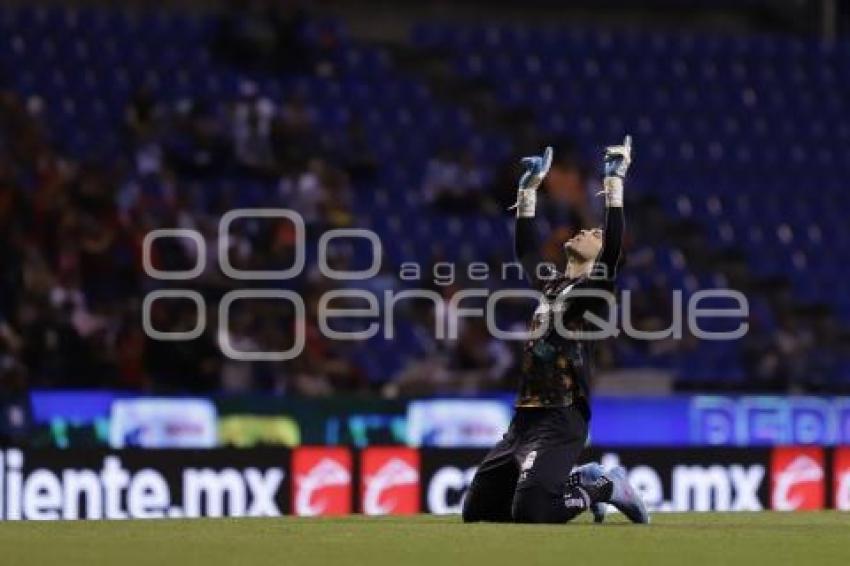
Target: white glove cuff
<point>526,203</point>
<point>613,189</point>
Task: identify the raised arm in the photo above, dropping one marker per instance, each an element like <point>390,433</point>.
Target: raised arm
<point>527,249</point>
<point>526,244</point>
<point>617,161</point>
<point>612,243</point>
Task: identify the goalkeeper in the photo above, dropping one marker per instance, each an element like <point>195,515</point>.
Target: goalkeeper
<point>527,476</point>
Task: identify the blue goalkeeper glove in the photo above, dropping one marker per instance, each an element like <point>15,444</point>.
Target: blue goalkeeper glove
<point>536,168</point>
<point>616,164</point>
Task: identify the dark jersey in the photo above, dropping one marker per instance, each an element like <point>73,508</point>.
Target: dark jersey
<point>557,364</point>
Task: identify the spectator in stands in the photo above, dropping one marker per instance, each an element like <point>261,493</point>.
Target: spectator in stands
<point>294,137</point>
<point>454,184</point>
<point>251,126</point>
<point>196,145</point>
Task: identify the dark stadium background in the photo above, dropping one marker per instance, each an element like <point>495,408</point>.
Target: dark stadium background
<point>409,119</point>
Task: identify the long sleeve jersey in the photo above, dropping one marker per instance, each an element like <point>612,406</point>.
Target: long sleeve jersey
<point>557,365</point>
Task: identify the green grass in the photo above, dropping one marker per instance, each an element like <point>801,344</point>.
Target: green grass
<point>691,539</point>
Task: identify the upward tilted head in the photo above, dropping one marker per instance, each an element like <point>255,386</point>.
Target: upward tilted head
<point>584,246</point>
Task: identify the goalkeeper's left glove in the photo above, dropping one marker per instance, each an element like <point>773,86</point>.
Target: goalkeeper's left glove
<point>616,162</point>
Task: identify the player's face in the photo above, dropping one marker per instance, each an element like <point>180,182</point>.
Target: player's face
<point>585,245</point>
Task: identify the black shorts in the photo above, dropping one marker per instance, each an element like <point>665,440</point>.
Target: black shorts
<point>524,477</point>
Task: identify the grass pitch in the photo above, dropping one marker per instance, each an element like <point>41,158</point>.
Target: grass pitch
<point>821,538</point>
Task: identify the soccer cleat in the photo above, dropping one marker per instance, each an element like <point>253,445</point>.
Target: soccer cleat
<point>625,498</point>
<point>589,474</point>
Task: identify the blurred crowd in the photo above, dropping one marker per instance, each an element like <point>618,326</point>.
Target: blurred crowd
<point>72,232</point>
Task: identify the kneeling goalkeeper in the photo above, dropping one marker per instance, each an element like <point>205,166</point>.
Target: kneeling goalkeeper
<point>526,477</point>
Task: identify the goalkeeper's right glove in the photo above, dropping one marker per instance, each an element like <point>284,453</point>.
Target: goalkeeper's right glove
<point>536,168</point>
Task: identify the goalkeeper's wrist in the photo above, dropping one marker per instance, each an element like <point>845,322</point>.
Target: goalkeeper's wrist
<point>613,189</point>
<point>526,203</point>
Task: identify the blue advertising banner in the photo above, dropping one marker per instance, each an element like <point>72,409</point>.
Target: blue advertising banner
<point>710,420</point>
<point>769,420</point>
<point>63,419</point>
<point>641,421</point>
